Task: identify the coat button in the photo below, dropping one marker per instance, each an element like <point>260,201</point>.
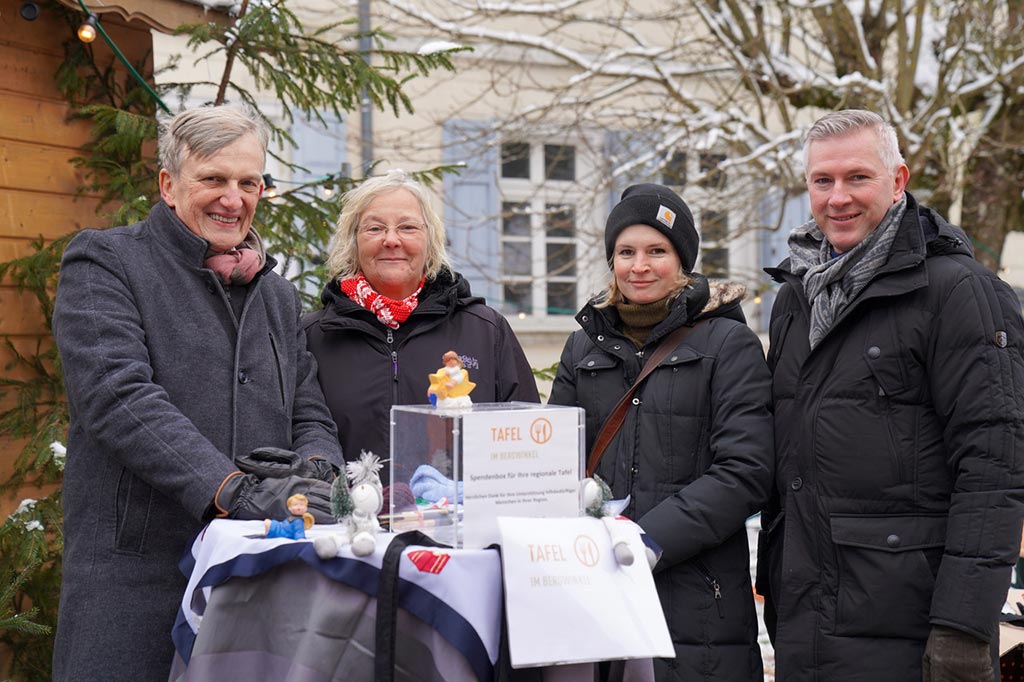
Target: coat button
<point>796,483</point>
<point>874,352</point>
<point>583,318</point>
<point>893,540</point>
<point>590,364</point>
<point>616,346</point>
<point>600,337</point>
<point>209,287</point>
<point>243,378</point>
<point>636,401</point>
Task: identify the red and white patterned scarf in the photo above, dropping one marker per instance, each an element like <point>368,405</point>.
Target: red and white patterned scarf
<point>390,312</point>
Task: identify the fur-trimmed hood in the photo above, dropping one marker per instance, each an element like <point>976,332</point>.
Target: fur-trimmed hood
<point>722,293</point>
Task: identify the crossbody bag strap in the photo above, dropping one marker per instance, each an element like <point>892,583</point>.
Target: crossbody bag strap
<point>618,414</point>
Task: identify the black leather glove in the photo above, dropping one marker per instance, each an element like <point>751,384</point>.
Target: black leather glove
<point>954,656</point>
<point>245,496</point>
<point>271,462</point>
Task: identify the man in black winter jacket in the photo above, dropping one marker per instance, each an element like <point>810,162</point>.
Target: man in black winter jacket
<point>897,379</point>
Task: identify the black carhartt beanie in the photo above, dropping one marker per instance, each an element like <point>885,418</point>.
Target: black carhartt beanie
<point>662,209</point>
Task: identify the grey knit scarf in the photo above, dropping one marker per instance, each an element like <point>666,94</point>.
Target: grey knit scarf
<point>831,283</point>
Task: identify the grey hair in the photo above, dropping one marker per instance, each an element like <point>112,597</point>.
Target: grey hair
<point>343,258</point>
<point>848,121</point>
<point>204,131</point>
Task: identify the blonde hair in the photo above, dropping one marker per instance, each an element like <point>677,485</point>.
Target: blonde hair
<point>611,296</point>
<point>296,496</point>
<point>204,131</point>
<point>343,256</point>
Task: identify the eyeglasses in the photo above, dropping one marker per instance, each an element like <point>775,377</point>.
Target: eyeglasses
<point>404,231</point>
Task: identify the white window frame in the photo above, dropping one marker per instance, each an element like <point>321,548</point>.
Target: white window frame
<point>537,194</point>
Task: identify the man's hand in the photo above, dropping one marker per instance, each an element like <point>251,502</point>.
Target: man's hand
<point>271,462</point>
<point>954,656</point>
<point>245,496</point>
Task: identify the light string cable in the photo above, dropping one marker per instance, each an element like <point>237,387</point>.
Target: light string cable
<point>124,60</point>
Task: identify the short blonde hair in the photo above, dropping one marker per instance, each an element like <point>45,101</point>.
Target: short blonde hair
<point>849,121</point>
<point>296,497</point>
<point>343,256</point>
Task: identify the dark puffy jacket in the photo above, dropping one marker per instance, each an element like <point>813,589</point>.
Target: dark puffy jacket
<point>165,388</point>
<point>899,479</point>
<point>366,368</point>
<point>695,456</point>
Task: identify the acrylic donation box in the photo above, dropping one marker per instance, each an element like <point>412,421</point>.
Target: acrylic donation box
<point>465,467</point>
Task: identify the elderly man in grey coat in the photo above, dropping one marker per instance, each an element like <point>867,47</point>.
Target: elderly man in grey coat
<point>182,352</point>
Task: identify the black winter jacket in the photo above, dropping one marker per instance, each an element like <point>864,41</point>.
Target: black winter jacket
<point>695,457</point>
<point>366,368</point>
<point>899,480</point>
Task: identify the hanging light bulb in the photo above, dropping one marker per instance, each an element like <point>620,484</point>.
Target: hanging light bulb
<point>269,188</point>
<point>87,31</point>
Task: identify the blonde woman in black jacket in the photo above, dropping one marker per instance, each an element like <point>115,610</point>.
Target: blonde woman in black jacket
<point>392,308</point>
<point>694,454</point>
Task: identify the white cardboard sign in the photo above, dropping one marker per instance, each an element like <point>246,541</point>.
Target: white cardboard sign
<point>518,463</point>
<point>568,601</point>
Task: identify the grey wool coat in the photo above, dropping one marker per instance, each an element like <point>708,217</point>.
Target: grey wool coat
<point>165,388</point>
<point>694,455</point>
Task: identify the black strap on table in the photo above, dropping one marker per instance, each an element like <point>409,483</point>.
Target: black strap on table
<point>504,671</point>
<point>387,602</point>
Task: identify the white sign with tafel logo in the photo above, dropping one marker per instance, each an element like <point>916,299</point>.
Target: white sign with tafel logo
<point>523,462</point>
<point>569,601</point>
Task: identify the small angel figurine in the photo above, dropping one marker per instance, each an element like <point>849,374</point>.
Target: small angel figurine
<point>296,525</point>
<point>356,506</point>
<point>450,385</point>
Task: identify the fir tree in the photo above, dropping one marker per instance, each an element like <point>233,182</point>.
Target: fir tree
<point>312,72</point>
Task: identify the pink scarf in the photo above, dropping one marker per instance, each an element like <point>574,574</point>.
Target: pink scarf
<point>390,312</point>
<point>237,266</point>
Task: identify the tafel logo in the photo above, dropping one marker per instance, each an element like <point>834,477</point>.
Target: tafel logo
<point>586,551</point>
<point>429,561</point>
<point>541,430</point>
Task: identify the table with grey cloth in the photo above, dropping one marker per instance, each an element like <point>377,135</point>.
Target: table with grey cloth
<point>271,609</point>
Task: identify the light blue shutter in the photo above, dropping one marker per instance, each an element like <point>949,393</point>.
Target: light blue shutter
<point>473,205</point>
<point>320,150</point>
<point>774,243</point>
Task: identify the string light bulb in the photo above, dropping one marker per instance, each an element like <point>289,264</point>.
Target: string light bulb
<point>269,188</point>
<point>87,31</point>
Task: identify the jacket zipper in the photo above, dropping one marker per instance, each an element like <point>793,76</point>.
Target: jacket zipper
<point>713,584</point>
<point>884,405</point>
<point>394,368</point>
